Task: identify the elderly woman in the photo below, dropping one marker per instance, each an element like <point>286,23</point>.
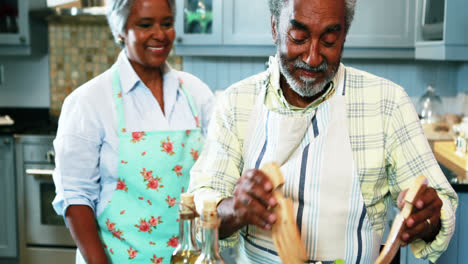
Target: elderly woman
<point>127,140</point>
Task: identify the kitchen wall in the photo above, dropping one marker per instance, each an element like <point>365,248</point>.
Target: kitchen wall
<point>415,76</point>
<point>448,78</point>
<point>26,81</point>
<point>462,81</point>
<point>65,55</point>
<point>78,52</point>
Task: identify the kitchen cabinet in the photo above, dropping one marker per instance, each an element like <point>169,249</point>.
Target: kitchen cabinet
<point>456,252</point>
<point>407,257</point>
<point>238,28</point>
<point>14,27</point>
<point>452,42</point>
<point>381,29</point>
<point>199,22</point>
<point>8,237</point>
<point>246,22</point>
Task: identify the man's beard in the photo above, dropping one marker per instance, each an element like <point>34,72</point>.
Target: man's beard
<point>306,87</point>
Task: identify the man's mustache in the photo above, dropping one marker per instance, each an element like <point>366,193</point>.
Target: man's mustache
<point>323,67</point>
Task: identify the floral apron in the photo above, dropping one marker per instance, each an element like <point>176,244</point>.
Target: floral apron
<point>316,159</point>
<point>140,223</point>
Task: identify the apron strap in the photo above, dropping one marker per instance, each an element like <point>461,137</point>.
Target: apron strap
<point>117,93</point>
<point>191,102</point>
<point>344,83</point>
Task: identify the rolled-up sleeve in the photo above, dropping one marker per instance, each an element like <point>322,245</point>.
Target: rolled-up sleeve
<point>77,149</point>
<point>409,155</point>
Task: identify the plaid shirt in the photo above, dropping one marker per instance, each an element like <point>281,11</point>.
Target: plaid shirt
<point>388,145</point>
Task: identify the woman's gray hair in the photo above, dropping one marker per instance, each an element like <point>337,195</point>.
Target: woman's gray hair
<point>118,12</point>
<point>277,5</point>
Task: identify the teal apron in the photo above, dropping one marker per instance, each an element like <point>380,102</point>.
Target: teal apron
<point>140,223</point>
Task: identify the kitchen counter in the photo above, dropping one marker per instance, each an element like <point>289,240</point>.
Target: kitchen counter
<point>445,153</point>
<point>35,121</point>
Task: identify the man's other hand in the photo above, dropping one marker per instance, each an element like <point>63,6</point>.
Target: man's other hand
<point>251,204</point>
<point>424,221</point>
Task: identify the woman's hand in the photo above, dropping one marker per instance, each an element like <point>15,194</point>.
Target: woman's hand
<point>250,204</point>
<point>424,221</point>
<point>82,225</point>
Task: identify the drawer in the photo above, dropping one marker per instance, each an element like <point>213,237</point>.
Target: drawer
<point>38,153</point>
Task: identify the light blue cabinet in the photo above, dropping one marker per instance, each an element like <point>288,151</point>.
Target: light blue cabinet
<point>407,257</point>
<point>14,28</point>
<point>8,240</point>
<point>239,28</point>
<point>457,252</point>
<point>453,41</point>
<point>382,23</point>
<point>381,29</point>
<point>246,22</point>
<point>199,22</point>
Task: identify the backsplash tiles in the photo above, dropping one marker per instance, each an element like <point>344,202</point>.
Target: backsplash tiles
<point>79,52</point>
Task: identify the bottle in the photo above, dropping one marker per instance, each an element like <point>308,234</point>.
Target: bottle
<point>187,250</point>
<point>209,226</point>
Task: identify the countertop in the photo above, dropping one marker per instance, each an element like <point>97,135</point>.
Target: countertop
<point>454,165</point>
<point>34,121</point>
<point>446,154</point>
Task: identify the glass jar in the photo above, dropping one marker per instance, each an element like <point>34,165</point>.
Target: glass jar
<point>430,107</point>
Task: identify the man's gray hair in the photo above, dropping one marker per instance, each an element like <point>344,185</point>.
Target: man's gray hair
<point>277,5</point>
<point>118,12</point>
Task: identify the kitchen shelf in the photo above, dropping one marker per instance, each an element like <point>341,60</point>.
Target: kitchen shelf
<point>72,15</point>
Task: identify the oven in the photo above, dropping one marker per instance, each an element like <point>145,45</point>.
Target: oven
<point>43,236</point>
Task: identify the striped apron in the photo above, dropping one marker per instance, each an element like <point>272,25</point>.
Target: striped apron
<point>315,155</point>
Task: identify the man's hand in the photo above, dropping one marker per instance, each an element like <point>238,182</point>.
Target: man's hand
<point>250,205</point>
<point>424,221</point>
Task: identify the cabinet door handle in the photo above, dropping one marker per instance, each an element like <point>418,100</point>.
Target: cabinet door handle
<point>6,142</point>
<point>50,156</point>
<point>179,40</point>
<point>39,172</point>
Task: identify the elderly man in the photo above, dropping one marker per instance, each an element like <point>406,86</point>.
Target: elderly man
<point>348,143</point>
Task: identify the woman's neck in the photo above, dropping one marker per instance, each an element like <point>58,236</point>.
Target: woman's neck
<point>152,77</point>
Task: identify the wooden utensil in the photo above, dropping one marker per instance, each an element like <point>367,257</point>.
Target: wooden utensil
<point>393,241</point>
<point>285,233</point>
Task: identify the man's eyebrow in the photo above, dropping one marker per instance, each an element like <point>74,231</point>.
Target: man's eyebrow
<point>296,24</point>
<point>145,19</point>
<point>333,28</point>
